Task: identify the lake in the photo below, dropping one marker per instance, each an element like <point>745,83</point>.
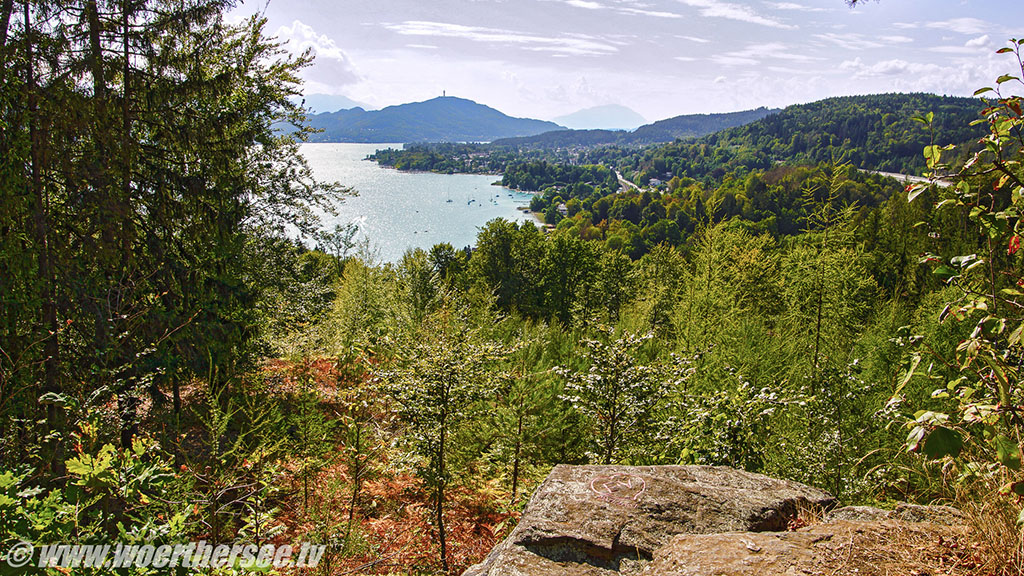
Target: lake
<point>396,210</point>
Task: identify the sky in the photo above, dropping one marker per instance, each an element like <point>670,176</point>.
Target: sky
<point>546,58</point>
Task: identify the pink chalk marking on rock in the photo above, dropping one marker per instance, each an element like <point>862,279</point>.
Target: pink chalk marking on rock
<point>620,489</point>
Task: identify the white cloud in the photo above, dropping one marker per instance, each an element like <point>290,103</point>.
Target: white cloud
<point>720,80</point>
<point>963,50</point>
<point>331,65</point>
<point>719,9</point>
<point>973,46</point>
<point>979,42</point>
<point>694,39</point>
<point>790,71</point>
<point>959,25</point>
<point>849,41</point>
<point>584,4</point>
<point>577,45</point>
<point>893,67</point>
<point>301,36</point>
<point>652,13</point>
<point>755,53</point>
<point>646,55</point>
<point>794,7</point>
<point>641,10</point>
<point>956,76</point>
<point>732,60</point>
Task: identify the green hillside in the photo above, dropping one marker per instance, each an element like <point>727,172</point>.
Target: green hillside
<point>875,132</point>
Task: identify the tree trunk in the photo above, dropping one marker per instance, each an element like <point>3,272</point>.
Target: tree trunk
<point>99,85</point>
<point>357,473</point>
<point>440,501</point>
<point>515,459</point>
<point>40,213</point>
<point>5,24</point>
<point>612,426</point>
<point>609,447</point>
<point>821,305</point>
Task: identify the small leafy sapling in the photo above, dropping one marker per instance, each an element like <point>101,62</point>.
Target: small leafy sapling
<point>986,425</point>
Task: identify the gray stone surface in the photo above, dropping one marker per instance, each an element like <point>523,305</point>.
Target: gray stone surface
<point>836,548</point>
<point>603,520</point>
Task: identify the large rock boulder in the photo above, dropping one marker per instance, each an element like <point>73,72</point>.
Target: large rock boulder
<point>605,520</point>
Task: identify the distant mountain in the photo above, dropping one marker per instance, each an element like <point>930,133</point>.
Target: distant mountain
<point>330,103</point>
<point>686,126</point>
<point>444,119</point>
<point>609,117</point>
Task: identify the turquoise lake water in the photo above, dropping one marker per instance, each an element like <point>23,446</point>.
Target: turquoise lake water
<point>396,210</point>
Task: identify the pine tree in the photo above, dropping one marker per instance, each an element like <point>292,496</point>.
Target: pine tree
<point>140,146</point>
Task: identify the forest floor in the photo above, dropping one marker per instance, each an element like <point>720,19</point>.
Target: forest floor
<point>392,529</point>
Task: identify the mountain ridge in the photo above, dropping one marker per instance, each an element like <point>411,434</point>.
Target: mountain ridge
<point>659,132</point>
<point>442,119</point>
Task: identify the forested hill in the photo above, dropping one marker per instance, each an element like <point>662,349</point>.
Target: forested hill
<point>438,120</point>
<point>685,126</point>
<point>875,132</point>
<point>695,125</point>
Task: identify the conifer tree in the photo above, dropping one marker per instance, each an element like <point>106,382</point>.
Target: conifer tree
<point>140,146</point>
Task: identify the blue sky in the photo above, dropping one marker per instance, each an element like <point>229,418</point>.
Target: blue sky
<point>545,58</point>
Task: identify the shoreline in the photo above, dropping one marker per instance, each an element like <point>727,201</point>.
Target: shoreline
<point>386,167</point>
<point>492,174</point>
<point>537,216</point>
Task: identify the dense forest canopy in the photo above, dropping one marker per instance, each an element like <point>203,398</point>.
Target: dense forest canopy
<point>870,132</point>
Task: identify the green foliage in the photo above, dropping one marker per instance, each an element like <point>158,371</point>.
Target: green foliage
<point>718,427</point>
<point>359,315</point>
<point>870,132</point>
<point>437,386</point>
<point>983,429</point>
<point>111,494</point>
<point>571,181</point>
<point>618,393</point>
<point>445,158</point>
<point>131,227</point>
<point>532,426</point>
